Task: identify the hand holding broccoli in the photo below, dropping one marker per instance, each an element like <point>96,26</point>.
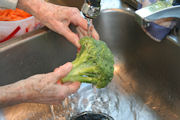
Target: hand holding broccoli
<point>93,64</point>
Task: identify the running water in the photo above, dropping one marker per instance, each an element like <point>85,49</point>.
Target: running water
<point>94,89</point>
<point>112,100</point>
<point>89,21</point>
<point>52,112</point>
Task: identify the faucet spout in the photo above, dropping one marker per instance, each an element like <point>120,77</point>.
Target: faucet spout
<point>91,8</point>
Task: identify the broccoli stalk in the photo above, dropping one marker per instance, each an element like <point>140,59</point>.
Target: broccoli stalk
<point>93,64</point>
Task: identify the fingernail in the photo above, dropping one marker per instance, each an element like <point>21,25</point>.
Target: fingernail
<point>79,49</point>
<point>77,83</point>
<point>55,70</point>
<point>69,65</point>
<point>66,66</point>
<point>96,35</point>
<point>58,82</point>
<point>77,43</point>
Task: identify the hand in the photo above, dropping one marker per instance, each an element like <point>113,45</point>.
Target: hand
<point>57,18</point>
<point>43,88</point>
<point>81,32</point>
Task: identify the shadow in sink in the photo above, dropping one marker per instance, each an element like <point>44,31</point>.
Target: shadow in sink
<point>38,52</point>
<point>112,100</point>
<point>146,77</point>
<point>147,68</point>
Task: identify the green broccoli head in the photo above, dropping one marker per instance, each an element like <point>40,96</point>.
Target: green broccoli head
<point>93,64</point>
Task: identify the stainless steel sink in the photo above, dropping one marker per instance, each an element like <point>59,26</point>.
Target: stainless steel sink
<point>146,77</point>
<point>71,3</point>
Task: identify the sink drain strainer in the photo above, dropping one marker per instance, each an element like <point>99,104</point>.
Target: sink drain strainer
<point>91,116</point>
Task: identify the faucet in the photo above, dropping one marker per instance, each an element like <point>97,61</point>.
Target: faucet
<point>162,9</point>
<point>91,8</point>
<point>157,11</point>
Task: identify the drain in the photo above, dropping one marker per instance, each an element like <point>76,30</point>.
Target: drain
<point>91,116</point>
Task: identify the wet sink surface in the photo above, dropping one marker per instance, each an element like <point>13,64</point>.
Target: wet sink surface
<point>112,100</point>
<point>146,77</point>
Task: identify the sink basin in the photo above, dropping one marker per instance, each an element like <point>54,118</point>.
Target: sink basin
<point>71,3</point>
<point>146,77</point>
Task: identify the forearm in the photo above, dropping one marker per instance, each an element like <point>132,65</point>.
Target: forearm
<point>41,9</point>
<point>12,94</point>
<point>31,6</point>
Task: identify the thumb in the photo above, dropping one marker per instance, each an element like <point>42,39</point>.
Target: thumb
<point>62,71</point>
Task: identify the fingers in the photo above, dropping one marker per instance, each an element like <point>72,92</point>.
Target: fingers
<point>77,19</point>
<point>69,88</point>
<point>72,37</point>
<point>62,71</point>
<point>81,22</point>
<point>73,87</point>
<point>95,35</point>
<point>81,32</point>
<point>45,89</point>
<point>64,90</point>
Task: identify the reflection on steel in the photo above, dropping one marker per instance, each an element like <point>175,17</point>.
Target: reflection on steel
<point>1,115</point>
<point>107,4</point>
<point>113,100</point>
<point>146,76</point>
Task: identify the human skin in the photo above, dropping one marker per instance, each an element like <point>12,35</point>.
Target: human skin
<point>42,88</point>
<point>57,18</point>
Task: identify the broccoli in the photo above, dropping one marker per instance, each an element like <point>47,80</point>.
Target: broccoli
<point>93,64</point>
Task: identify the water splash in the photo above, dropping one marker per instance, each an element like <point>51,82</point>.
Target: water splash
<point>89,22</point>
<point>112,100</point>
<point>52,112</point>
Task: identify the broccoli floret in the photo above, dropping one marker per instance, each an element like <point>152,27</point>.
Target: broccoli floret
<point>93,64</point>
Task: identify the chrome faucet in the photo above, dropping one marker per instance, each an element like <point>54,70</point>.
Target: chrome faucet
<point>162,9</point>
<point>156,11</point>
<point>91,8</point>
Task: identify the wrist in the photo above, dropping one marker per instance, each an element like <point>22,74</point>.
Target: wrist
<point>31,6</point>
<point>12,94</point>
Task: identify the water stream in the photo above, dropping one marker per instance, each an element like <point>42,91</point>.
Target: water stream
<point>89,21</point>
<point>52,112</point>
<point>112,100</point>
